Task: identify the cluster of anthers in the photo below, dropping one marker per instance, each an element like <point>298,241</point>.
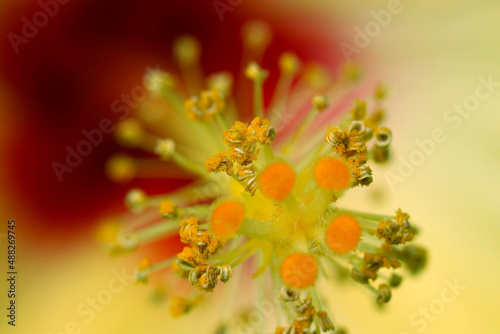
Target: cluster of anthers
<point>275,206</point>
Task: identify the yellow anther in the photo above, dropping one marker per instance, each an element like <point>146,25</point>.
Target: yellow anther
<point>187,50</point>
<point>135,199</point>
<point>243,158</point>
<point>219,163</point>
<point>325,322</point>
<point>316,76</point>
<point>262,130</point>
<point>165,148</point>
<point>188,231</point>
<point>157,81</point>
<point>397,230</point>
<point>189,258</point>
<point>351,71</point>
<point>359,110</point>
<point>255,73</point>
<point>144,264</point>
<point>383,137</point>
<point>121,168</point>
<point>108,231</point>
<point>206,106</point>
<point>129,132</point>
<point>320,102</point>
<point>385,293</point>
<point>179,306</point>
<point>256,35</point>
<point>222,81</point>
<point>289,63</point>
<point>236,135</point>
<point>143,271</point>
<point>380,92</point>
<point>168,209</point>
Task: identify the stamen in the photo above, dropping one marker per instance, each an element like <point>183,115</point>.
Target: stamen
<point>256,36</point>
<point>158,82</point>
<point>168,209</point>
<point>222,82</point>
<point>143,271</point>
<point>383,137</point>
<point>320,103</point>
<point>187,51</point>
<point>289,64</point>
<point>129,133</point>
<point>157,231</point>
<point>257,75</point>
<point>165,148</point>
<point>121,168</point>
<point>136,199</point>
<point>209,104</point>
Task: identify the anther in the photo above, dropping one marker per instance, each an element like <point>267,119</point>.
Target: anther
<point>289,63</point>
<point>165,148</point>
<point>288,294</point>
<point>325,322</point>
<point>121,168</point>
<point>256,35</point>
<point>135,199</point>
<point>384,293</point>
<point>320,102</point>
<point>129,132</point>
<point>168,209</point>
<point>187,50</point>
<point>222,82</point>
<point>358,126</point>
<point>157,81</point>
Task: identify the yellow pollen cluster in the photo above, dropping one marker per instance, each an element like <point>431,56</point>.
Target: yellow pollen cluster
<point>201,275</point>
<point>168,209</point>
<point>206,106</point>
<point>203,245</point>
<point>242,140</point>
<point>397,230</point>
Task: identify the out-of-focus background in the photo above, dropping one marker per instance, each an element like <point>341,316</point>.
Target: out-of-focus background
<point>437,59</point>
